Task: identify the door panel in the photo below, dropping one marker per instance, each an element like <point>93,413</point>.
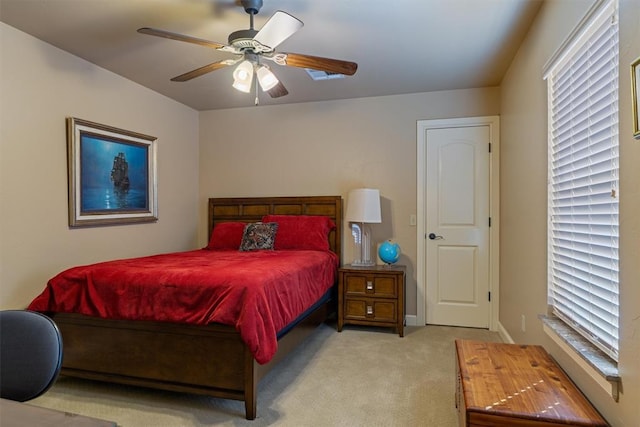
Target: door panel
<point>454,181</point>
<point>457,285</point>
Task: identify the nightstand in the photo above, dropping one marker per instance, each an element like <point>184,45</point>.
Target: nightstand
<point>371,296</point>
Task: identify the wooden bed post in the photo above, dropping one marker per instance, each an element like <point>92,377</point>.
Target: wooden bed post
<point>250,386</point>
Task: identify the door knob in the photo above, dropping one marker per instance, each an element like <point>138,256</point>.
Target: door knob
<point>433,236</point>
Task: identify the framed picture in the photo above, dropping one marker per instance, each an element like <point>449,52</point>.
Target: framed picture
<point>635,96</point>
<point>112,175</point>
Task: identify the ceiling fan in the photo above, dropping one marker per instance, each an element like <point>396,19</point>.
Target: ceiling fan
<point>250,47</point>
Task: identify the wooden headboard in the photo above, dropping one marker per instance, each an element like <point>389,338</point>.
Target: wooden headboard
<point>252,209</point>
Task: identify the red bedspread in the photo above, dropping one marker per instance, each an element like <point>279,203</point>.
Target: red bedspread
<point>257,292</point>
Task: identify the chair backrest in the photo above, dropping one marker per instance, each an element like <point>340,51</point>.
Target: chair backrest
<point>30,354</point>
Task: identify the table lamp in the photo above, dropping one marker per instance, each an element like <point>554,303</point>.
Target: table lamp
<point>363,208</point>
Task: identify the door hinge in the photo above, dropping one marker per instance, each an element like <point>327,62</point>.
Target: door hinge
<point>489,295</point>
<point>489,221</point>
<point>489,147</point>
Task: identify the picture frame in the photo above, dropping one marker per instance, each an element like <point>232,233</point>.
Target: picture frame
<point>635,96</point>
<point>112,175</point>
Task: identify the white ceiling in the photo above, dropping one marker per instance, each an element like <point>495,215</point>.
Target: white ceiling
<point>401,46</point>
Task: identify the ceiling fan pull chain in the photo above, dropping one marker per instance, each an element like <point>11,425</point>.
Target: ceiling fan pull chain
<point>256,101</point>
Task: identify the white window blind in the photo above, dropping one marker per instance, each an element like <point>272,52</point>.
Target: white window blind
<point>583,180</point>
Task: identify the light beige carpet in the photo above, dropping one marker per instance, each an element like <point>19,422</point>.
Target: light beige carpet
<point>359,377</point>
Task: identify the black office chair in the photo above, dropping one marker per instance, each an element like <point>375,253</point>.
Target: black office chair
<point>30,354</point>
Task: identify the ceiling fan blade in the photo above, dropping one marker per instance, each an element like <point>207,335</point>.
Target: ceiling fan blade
<point>203,70</point>
<point>278,90</point>
<point>277,29</point>
<point>316,63</point>
<point>180,37</point>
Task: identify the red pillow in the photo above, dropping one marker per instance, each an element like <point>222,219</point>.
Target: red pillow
<point>226,235</point>
<point>303,232</point>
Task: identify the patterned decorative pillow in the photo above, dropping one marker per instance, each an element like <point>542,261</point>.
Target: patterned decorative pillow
<point>259,236</point>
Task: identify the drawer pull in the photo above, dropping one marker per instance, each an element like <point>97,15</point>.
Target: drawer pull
<point>369,285</point>
<point>369,310</point>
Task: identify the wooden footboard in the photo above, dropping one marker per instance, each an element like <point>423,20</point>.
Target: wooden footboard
<point>173,356</point>
<point>210,360</point>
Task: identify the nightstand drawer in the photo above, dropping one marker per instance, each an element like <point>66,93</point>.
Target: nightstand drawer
<point>371,285</point>
<point>372,309</point>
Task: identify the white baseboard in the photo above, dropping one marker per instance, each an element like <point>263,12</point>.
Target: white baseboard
<point>504,334</point>
<point>411,320</point>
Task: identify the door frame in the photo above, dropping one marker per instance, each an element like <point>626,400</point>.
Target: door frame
<point>494,210</point>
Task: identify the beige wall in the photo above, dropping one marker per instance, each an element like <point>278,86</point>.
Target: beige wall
<point>523,197</point>
<point>329,148</point>
<point>40,85</point>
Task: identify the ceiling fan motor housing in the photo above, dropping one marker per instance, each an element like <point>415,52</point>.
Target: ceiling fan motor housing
<point>242,39</point>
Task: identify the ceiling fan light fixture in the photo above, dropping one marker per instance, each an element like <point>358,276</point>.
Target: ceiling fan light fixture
<point>243,76</point>
<point>267,79</point>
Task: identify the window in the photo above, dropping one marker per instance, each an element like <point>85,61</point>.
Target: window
<point>582,82</point>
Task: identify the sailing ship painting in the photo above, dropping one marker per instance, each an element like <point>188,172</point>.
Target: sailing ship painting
<point>114,175</point>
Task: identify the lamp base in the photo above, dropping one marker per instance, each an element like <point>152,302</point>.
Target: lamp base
<point>362,245</point>
<point>363,264</point>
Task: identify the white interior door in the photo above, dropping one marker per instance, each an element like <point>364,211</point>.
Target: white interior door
<point>457,208</point>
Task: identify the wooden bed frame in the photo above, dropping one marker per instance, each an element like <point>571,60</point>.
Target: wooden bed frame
<point>210,360</point>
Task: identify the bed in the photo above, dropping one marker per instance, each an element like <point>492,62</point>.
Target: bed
<point>212,359</point>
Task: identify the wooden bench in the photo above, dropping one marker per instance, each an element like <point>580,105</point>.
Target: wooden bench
<point>517,386</point>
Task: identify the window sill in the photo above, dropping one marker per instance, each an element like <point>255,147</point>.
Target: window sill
<point>594,359</point>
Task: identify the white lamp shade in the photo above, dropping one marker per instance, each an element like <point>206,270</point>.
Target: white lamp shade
<point>243,76</point>
<point>266,78</point>
<point>363,205</point>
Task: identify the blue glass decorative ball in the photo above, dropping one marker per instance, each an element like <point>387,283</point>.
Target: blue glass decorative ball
<point>389,252</point>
